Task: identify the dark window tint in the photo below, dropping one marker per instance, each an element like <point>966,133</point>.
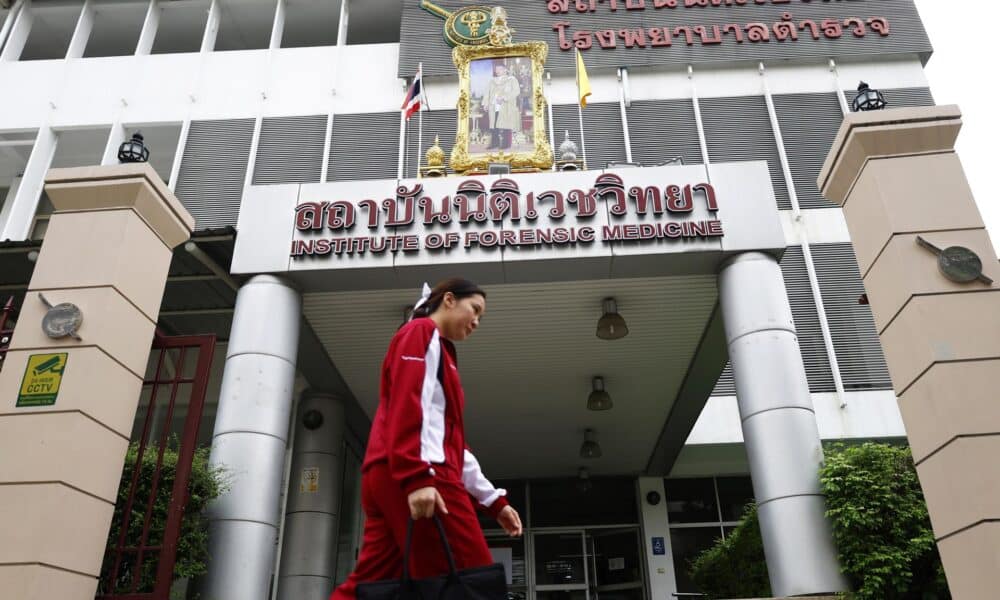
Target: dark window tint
<point>686,544</point>
<point>561,502</point>
<point>691,500</point>
<point>734,495</point>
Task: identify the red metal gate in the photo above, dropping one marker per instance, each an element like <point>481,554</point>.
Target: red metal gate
<point>139,562</point>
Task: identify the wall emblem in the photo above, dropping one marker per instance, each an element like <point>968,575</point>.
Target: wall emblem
<point>467,26</point>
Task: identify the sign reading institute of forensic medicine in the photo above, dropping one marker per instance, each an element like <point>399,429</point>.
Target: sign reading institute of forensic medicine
<point>511,217</point>
<point>626,33</point>
<point>41,381</point>
<point>629,222</point>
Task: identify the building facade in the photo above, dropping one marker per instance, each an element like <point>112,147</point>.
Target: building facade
<point>257,112</point>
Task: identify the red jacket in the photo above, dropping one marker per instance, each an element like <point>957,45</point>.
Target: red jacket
<point>418,428</point>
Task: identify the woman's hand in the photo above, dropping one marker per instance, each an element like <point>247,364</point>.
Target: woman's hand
<point>510,521</point>
<point>424,501</point>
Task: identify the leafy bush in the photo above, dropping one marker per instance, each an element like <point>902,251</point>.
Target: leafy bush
<point>880,523</point>
<point>880,526</point>
<point>204,485</point>
<point>734,567</point>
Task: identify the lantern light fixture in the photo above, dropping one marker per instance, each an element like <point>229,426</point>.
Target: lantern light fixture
<point>599,398</point>
<point>583,483</point>
<point>611,325</point>
<point>133,150</point>
<point>868,99</point>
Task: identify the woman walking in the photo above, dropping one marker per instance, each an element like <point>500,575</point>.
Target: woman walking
<point>417,463</point>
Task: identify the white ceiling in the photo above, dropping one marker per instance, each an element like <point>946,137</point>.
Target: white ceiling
<point>527,371</point>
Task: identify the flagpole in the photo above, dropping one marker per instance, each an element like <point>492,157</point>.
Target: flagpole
<point>579,104</point>
<point>420,127</point>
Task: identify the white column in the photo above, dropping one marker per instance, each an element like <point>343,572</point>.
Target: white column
<point>345,14</point>
<point>779,427</point>
<point>308,552</point>
<point>702,141</point>
<point>8,22</point>
<point>17,215</point>
<point>115,139</point>
<point>327,143</point>
<point>18,35</point>
<point>622,93</point>
<point>278,28</point>
<point>175,168</point>
<point>211,27</point>
<point>251,429</point>
<point>81,35</point>
<point>149,28</point>
<point>655,525</point>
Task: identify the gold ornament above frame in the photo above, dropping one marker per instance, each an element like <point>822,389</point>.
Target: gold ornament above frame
<point>502,111</point>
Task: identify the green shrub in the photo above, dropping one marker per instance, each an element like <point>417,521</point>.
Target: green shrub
<point>880,523</point>
<point>192,551</point>
<point>734,567</point>
<point>880,526</point>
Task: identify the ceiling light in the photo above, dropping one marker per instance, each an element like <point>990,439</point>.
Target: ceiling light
<point>590,447</point>
<point>599,399</point>
<point>584,484</point>
<point>611,326</point>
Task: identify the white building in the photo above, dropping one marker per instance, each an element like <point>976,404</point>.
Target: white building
<point>252,107</point>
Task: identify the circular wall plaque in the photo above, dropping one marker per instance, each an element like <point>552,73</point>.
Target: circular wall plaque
<point>960,264</point>
<point>62,320</point>
<point>468,26</point>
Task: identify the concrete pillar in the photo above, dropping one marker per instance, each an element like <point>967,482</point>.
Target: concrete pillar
<point>659,565</point>
<point>149,28</point>
<point>18,34</point>
<point>107,250</point>
<point>250,436</point>
<point>18,214</point>
<point>897,177</point>
<point>278,26</point>
<point>779,427</point>
<point>211,27</point>
<point>312,513</point>
<point>81,35</point>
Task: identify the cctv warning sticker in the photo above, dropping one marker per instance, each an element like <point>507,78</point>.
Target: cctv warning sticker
<point>42,379</point>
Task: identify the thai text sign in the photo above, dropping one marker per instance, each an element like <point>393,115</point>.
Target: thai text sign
<point>504,215</point>
<point>42,378</point>
<point>626,33</point>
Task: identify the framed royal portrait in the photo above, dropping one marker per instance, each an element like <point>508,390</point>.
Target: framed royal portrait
<point>501,108</point>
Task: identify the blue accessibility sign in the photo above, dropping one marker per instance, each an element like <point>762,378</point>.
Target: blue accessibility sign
<point>659,547</point>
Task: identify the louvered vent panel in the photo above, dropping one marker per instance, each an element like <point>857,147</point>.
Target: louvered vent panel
<point>436,122</point>
<point>663,129</point>
<point>213,169</point>
<point>793,269</point>
<point>809,123</point>
<point>364,146</point>
<point>739,129</point>
<point>900,97</point>
<point>602,124</point>
<point>855,339</point>
<point>290,150</point>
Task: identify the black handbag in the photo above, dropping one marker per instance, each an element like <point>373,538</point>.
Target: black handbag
<point>479,583</point>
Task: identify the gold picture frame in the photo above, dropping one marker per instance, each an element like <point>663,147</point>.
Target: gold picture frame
<point>524,151</point>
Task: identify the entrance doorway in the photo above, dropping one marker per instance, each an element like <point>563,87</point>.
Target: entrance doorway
<point>588,564</point>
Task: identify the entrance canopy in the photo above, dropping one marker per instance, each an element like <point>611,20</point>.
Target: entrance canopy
<point>547,248</point>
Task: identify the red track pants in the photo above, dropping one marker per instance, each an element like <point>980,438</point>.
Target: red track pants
<point>386,516</point>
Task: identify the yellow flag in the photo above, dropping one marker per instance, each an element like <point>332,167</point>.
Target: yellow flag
<point>582,81</point>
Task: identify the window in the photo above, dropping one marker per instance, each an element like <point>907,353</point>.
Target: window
<point>182,25</point>
<point>245,24</point>
<point>561,502</point>
<point>52,29</point>
<point>15,148</point>
<point>702,511</point>
<point>309,24</point>
<point>116,30</point>
<point>374,22</point>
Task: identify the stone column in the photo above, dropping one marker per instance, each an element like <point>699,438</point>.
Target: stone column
<point>107,250</point>
<point>779,427</point>
<point>312,513</point>
<point>250,437</point>
<point>897,177</point>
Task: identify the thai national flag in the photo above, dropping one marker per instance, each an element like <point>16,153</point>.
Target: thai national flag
<point>411,103</point>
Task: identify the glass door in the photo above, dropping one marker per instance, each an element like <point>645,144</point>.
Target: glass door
<point>615,564</point>
<point>561,569</point>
